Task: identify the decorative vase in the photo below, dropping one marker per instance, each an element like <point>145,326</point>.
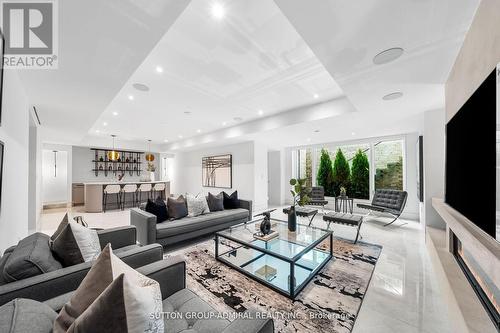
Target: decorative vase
<point>292,219</point>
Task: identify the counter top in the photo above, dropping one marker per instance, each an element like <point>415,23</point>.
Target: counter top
<point>124,183</point>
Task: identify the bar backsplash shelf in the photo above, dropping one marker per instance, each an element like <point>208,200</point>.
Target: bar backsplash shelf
<point>130,162</point>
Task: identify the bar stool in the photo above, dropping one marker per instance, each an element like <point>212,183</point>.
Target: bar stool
<point>110,190</point>
<point>129,188</point>
<point>141,189</point>
<point>159,187</point>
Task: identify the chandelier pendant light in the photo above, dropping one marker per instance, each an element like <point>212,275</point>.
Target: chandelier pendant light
<point>113,155</point>
<point>149,157</point>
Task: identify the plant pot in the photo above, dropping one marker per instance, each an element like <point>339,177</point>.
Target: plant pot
<point>292,219</point>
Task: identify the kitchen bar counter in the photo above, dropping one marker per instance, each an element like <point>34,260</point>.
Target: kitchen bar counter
<point>94,194</point>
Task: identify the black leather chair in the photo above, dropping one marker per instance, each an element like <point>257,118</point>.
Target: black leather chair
<point>388,201</point>
<point>317,197</point>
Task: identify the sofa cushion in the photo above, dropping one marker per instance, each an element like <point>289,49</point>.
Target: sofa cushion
<point>25,315</point>
<point>177,208</point>
<point>32,256</point>
<point>185,301</point>
<point>64,222</point>
<point>215,202</point>
<point>158,208</point>
<point>231,201</point>
<point>189,224</point>
<point>3,260</point>
<point>76,244</point>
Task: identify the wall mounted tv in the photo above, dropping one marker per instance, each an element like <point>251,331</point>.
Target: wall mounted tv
<point>471,157</point>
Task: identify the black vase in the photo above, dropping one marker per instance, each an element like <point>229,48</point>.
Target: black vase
<point>292,219</point>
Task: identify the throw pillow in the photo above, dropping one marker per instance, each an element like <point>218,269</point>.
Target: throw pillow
<point>86,304</point>
<point>158,208</point>
<point>196,205</point>
<point>231,201</point>
<point>177,208</point>
<point>215,202</point>
<point>76,244</point>
<point>60,227</point>
<point>31,256</point>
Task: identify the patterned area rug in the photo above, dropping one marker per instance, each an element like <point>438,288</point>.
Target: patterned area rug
<point>329,303</point>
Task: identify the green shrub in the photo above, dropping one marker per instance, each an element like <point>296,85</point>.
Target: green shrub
<point>360,176</point>
<point>341,173</point>
<point>325,173</point>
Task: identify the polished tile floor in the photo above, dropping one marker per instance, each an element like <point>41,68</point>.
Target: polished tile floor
<point>403,295</point>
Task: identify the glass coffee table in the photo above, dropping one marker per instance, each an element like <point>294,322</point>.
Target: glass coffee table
<point>285,263</point>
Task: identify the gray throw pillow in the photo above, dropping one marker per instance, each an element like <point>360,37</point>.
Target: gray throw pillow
<point>76,244</point>
<point>215,202</point>
<point>98,302</point>
<point>25,315</point>
<point>177,208</point>
<point>32,256</point>
<point>196,205</point>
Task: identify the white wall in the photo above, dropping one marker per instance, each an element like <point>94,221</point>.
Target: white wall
<point>82,167</point>
<point>434,163</point>
<point>274,171</point>
<point>14,133</point>
<point>260,177</point>
<point>187,170</point>
<point>55,177</point>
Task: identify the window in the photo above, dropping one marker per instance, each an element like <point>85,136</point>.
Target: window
<point>369,166</point>
<point>388,158</point>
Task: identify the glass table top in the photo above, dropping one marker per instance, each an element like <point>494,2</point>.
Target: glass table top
<point>287,244</point>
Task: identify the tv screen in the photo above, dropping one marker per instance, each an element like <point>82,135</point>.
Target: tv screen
<point>471,176</point>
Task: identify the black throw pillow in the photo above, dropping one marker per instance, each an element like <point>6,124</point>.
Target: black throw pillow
<point>177,208</point>
<point>215,202</point>
<point>158,208</point>
<point>231,201</point>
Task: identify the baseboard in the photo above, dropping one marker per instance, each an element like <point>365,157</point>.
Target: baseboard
<point>57,205</point>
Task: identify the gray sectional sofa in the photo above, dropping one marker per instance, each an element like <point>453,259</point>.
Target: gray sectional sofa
<point>170,232</point>
<point>30,316</point>
<point>48,279</point>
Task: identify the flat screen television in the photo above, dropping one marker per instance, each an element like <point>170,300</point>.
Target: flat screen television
<point>471,158</point>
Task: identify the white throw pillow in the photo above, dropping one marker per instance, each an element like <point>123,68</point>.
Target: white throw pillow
<point>196,205</point>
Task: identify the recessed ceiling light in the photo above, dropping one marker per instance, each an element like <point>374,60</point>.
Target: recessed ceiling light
<point>140,87</point>
<point>180,136</point>
<point>316,131</point>
<point>308,139</point>
<point>131,97</point>
<point>166,140</point>
<point>261,112</point>
<point>97,131</point>
<point>218,11</point>
<point>224,123</point>
<point>353,133</point>
<point>115,113</point>
<point>104,124</point>
<point>198,131</point>
<point>391,96</point>
<point>159,69</point>
<point>388,55</point>
<point>316,96</point>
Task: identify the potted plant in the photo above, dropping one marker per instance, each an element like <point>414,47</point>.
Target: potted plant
<point>300,195</point>
<point>151,168</point>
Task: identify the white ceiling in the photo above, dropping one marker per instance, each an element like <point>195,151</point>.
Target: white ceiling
<point>263,55</point>
<point>218,70</point>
